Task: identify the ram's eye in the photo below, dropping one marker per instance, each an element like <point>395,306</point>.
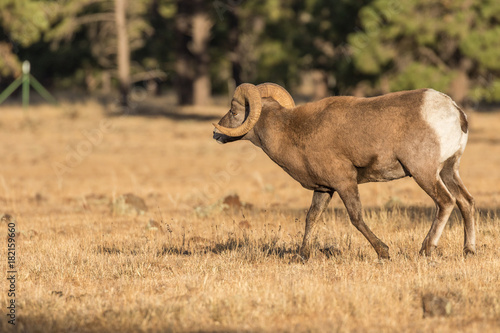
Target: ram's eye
<point>233,113</point>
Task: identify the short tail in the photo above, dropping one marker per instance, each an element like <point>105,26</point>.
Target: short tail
<point>464,124</point>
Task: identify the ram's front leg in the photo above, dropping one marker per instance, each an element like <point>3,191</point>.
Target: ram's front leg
<point>319,202</point>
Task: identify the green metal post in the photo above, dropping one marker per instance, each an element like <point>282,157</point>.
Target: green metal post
<point>10,89</point>
<point>26,84</point>
<point>26,79</point>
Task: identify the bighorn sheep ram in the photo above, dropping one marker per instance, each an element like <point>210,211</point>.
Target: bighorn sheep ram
<point>334,144</point>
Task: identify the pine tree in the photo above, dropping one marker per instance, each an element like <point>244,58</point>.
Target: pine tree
<point>452,46</point>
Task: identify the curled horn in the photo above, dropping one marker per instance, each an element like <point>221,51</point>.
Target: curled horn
<point>278,93</point>
<point>245,92</point>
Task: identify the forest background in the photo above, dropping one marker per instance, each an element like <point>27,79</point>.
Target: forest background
<point>199,48</point>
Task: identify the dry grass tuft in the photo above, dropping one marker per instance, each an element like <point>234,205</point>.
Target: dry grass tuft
<point>435,306</point>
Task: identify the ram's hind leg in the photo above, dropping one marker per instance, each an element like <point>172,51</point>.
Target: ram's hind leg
<point>434,186</point>
<point>465,202</point>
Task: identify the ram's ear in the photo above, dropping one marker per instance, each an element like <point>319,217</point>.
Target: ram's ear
<point>237,107</point>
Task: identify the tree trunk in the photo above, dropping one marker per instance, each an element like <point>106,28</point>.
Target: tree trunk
<point>123,50</point>
<point>201,37</point>
<point>183,69</point>
<point>233,40</point>
<point>192,65</point>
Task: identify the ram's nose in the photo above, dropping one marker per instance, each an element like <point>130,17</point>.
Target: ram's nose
<point>219,137</point>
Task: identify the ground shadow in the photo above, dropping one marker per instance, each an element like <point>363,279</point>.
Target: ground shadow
<point>249,249</point>
<point>490,141</point>
<point>419,214</point>
<point>169,111</point>
<point>265,248</point>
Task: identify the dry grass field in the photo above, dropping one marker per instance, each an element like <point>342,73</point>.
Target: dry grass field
<point>190,262</point>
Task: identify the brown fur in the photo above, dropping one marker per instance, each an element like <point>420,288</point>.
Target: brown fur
<point>334,144</point>
<point>371,137</point>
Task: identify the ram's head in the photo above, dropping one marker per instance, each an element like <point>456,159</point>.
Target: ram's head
<point>246,107</point>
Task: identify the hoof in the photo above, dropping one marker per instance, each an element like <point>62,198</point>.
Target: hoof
<point>384,256</point>
<point>383,252</point>
<point>301,257</point>
<point>304,253</point>
<point>469,251</point>
<point>297,259</point>
<point>426,249</point>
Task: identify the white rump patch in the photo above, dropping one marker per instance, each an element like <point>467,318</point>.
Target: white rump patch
<point>440,113</point>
